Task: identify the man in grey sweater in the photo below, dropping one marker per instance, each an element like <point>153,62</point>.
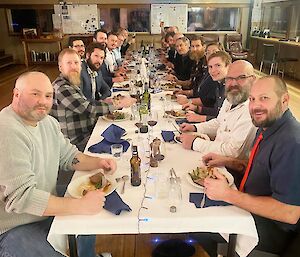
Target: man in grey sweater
<point>32,150</point>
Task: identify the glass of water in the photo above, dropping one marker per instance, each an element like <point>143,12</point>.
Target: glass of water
<point>116,150</point>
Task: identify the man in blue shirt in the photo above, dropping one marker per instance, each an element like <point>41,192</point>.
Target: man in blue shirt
<point>272,190</point>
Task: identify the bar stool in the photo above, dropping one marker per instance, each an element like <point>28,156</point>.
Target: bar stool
<point>269,57</point>
<point>282,63</point>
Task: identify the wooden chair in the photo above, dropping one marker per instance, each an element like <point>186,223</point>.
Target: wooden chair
<point>269,57</point>
<point>233,45</point>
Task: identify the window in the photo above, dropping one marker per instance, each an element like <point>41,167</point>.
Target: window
<point>295,22</point>
<point>213,18</point>
<point>39,19</point>
<point>276,19</point>
<point>135,19</point>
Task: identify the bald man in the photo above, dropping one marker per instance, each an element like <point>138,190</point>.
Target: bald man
<point>271,191</point>
<point>32,149</point>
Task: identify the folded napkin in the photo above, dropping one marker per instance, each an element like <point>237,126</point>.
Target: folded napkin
<point>168,136</point>
<point>112,135</point>
<point>197,197</point>
<point>116,89</point>
<point>115,204</point>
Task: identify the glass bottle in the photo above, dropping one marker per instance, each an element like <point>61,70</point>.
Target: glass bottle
<point>135,164</point>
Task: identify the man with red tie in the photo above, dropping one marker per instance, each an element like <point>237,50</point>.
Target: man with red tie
<point>270,188</point>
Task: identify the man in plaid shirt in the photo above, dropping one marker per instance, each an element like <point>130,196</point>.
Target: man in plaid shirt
<point>77,115</point>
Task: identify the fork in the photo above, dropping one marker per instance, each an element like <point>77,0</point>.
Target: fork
<point>203,199</point>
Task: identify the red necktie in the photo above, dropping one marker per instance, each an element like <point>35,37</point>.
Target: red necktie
<point>252,155</point>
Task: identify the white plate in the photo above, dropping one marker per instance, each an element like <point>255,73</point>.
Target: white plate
<point>176,117</point>
<point>221,170</point>
<point>74,186</point>
<point>176,140</point>
<point>127,117</point>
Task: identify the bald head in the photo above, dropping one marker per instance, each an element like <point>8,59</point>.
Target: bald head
<point>33,97</point>
<point>242,66</point>
<point>28,78</point>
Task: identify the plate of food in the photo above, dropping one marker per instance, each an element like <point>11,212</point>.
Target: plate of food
<point>81,185</point>
<point>177,139</point>
<point>176,113</point>
<point>172,97</point>
<point>117,116</point>
<point>170,86</point>
<point>122,85</point>
<point>196,177</point>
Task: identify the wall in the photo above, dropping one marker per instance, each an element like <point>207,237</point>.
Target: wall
<point>12,44</point>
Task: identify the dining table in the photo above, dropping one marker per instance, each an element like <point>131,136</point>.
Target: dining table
<point>151,201</point>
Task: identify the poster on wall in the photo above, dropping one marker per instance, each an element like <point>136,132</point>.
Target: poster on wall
<point>77,19</point>
<point>170,15</point>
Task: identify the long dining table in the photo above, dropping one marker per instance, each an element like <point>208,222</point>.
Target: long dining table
<point>150,212</point>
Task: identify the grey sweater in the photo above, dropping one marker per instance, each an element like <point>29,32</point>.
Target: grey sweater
<point>30,158</point>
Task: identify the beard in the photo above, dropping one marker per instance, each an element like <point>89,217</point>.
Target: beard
<point>196,55</point>
<point>237,94</point>
<point>93,66</point>
<point>271,117</point>
<point>74,78</point>
<point>34,113</point>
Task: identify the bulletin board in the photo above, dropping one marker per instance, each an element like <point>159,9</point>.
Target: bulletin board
<point>76,19</point>
<point>170,14</point>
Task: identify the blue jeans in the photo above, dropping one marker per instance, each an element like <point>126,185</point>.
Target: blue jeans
<point>30,240</point>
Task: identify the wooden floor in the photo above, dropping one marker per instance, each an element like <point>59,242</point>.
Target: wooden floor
<point>120,245</point>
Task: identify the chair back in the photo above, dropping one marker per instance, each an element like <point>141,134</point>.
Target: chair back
<point>233,42</point>
<point>269,54</point>
<point>209,38</point>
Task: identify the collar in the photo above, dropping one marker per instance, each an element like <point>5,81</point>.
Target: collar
<point>91,72</point>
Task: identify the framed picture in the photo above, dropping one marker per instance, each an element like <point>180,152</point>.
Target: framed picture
<point>29,33</point>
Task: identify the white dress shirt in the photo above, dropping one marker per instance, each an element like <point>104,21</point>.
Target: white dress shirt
<point>110,61</point>
<point>232,132</point>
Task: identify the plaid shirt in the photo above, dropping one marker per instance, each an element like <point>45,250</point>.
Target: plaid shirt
<point>77,115</point>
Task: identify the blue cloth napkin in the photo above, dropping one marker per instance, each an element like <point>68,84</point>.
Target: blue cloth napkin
<point>120,89</point>
<point>112,135</point>
<point>115,204</point>
<point>168,136</point>
<point>197,197</point>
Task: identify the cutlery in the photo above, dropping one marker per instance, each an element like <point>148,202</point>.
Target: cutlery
<point>176,128</point>
<point>177,180</point>
<point>203,199</point>
<point>124,178</point>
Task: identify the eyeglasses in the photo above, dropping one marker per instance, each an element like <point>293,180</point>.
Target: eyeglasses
<point>238,79</point>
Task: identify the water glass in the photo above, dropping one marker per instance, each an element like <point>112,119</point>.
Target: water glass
<point>116,150</point>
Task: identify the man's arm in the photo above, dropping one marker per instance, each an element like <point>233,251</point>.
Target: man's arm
<point>91,203</point>
<point>266,206</point>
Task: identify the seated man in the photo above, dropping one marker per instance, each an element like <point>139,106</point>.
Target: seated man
<point>270,188</point>
<point>212,89</point>
<point>78,45</point>
<point>232,128</point>
<point>32,151</point>
<point>93,85</point>
<point>77,115</point>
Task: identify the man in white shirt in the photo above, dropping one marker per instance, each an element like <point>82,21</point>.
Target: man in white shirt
<point>117,50</point>
<point>110,60</point>
<point>232,131</point>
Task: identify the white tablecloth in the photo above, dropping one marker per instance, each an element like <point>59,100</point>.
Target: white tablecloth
<point>156,217</point>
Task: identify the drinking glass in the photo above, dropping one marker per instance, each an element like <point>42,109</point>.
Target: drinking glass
<point>116,150</point>
<point>152,121</point>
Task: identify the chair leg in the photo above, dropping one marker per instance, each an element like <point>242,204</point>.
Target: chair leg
<point>261,65</point>
<point>271,70</point>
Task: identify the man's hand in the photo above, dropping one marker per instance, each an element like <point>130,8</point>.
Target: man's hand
<point>187,140</point>
<point>193,117</point>
<point>117,79</point>
<point>108,165</point>
<point>91,203</point>
<point>217,189</point>
<point>124,102</point>
<point>181,99</point>
<point>171,77</point>
<point>189,107</point>
<point>184,127</point>
<point>214,160</point>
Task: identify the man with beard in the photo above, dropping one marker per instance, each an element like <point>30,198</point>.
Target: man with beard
<point>78,45</point>
<point>232,130</point>
<point>270,188</point>
<point>32,151</point>
<point>93,85</point>
<point>77,115</point>
<point>100,36</point>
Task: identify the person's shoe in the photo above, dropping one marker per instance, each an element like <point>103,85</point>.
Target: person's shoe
<point>104,255</point>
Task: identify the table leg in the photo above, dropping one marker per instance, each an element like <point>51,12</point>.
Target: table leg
<point>231,245</point>
<point>72,246</point>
